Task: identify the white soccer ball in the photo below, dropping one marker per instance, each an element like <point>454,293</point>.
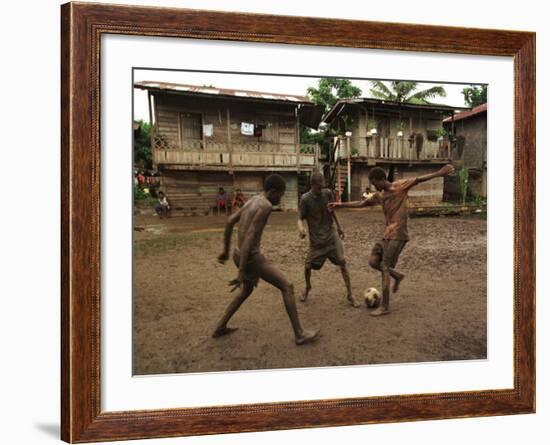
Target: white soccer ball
<point>372,297</point>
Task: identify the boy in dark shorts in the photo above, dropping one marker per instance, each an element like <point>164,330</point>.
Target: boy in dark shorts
<point>324,240</point>
<point>252,265</point>
<point>393,197</point>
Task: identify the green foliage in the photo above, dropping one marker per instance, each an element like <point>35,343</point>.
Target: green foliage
<point>329,90</point>
<point>478,200</point>
<point>405,91</point>
<point>162,244</point>
<point>401,125</point>
<point>305,148</point>
<point>463,178</point>
<point>142,145</point>
<point>354,151</point>
<point>307,136</point>
<point>441,132</point>
<point>372,123</point>
<point>142,197</point>
<point>474,95</point>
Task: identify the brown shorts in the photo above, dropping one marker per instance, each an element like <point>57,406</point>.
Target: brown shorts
<point>252,268</point>
<point>316,257</point>
<point>388,250</point>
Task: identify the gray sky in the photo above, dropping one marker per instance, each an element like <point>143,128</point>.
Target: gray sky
<point>264,83</point>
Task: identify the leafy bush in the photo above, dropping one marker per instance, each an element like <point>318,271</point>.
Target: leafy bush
<point>463,178</point>
<point>441,132</point>
<point>142,145</point>
<point>478,200</point>
<point>142,197</point>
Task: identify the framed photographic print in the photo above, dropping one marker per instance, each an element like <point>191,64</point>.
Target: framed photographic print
<point>366,189</point>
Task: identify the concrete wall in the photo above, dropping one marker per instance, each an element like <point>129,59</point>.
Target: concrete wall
<point>470,151</point>
<point>471,146</point>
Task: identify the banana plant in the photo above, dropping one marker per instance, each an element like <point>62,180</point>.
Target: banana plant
<point>463,178</point>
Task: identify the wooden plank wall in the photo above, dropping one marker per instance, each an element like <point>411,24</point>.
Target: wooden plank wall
<point>167,121</point>
<point>250,183</point>
<point>421,122</point>
<point>290,198</point>
<point>194,192</point>
<point>279,132</point>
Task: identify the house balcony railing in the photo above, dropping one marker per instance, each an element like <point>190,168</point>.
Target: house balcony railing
<point>399,149</point>
<point>220,156</point>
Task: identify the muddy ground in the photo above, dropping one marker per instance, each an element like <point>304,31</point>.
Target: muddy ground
<point>180,292</point>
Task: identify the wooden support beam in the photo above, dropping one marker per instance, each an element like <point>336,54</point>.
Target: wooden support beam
<point>297,139</point>
<point>348,145</point>
<point>229,145</point>
<point>152,127</point>
<point>202,132</point>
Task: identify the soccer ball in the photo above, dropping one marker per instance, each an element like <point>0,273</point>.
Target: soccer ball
<point>372,297</point>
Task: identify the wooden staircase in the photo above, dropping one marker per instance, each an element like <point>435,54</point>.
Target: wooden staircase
<point>339,181</point>
<point>343,180</point>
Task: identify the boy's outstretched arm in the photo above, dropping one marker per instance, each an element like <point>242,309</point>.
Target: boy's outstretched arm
<point>354,204</point>
<point>231,221</point>
<point>443,171</point>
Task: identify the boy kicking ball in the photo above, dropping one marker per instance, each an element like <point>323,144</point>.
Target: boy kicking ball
<point>392,196</point>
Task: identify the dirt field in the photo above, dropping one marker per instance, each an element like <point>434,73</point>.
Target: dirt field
<point>180,293</point>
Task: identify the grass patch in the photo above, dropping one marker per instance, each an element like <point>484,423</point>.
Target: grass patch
<point>165,243</point>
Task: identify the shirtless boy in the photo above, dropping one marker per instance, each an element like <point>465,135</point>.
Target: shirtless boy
<point>252,265</point>
<point>324,242</point>
<point>392,196</point>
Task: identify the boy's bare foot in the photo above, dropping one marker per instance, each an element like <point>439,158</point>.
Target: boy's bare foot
<point>379,311</point>
<point>303,298</point>
<point>396,282</point>
<point>307,337</point>
<point>353,302</point>
<point>223,331</point>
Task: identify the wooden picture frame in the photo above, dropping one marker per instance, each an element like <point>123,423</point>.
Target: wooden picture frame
<point>82,26</point>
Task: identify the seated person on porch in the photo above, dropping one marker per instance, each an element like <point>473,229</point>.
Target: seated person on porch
<point>163,206</point>
<point>221,199</point>
<point>141,179</point>
<point>238,200</point>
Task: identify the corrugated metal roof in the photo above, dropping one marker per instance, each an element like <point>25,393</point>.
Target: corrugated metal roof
<point>466,114</point>
<point>210,90</point>
<point>342,103</point>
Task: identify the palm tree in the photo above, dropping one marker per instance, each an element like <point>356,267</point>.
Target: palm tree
<point>404,91</point>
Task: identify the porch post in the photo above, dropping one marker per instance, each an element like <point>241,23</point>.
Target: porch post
<point>152,129</point>
<point>348,143</point>
<point>297,139</point>
<point>229,145</point>
<point>339,182</point>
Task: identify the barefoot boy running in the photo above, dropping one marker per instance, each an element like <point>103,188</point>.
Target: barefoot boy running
<point>392,196</point>
<point>252,264</point>
<point>324,242</point>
